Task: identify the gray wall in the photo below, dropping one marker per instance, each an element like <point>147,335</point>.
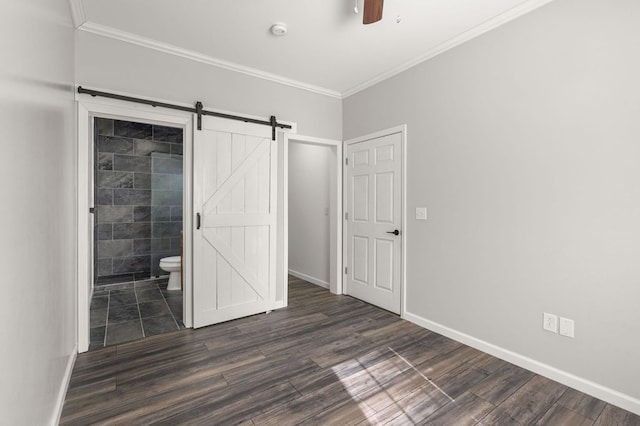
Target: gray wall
<point>309,191</point>
<point>138,198</point>
<point>114,65</point>
<point>38,208</point>
<point>524,146</point>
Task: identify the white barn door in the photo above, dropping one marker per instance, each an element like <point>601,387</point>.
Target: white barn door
<point>374,223</point>
<point>234,253</point>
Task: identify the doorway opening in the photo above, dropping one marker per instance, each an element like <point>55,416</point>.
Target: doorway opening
<point>138,220</point>
<point>313,211</point>
<point>309,212</point>
<point>91,114</point>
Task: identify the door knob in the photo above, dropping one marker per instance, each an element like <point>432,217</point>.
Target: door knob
<point>395,232</point>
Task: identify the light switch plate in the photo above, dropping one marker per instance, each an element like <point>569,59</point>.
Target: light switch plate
<point>566,327</point>
<point>421,213</point>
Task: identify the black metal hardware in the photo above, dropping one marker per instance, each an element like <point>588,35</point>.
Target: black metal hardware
<point>272,122</point>
<point>199,112</point>
<point>92,210</point>
<point>197,220</point>
<point>95,93</point>
<point>395,232</point>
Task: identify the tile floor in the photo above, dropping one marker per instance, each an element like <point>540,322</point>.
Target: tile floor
<point>138,310</point>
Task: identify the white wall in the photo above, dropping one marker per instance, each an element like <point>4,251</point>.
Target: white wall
<point>310,167</point>
<point>114,65</point>
<point>37,218</point>
<point>524,146</point>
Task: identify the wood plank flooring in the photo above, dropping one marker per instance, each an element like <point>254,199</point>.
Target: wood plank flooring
<point>324,360</point>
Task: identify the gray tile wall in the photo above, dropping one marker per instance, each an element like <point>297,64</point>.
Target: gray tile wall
<point>138,198</point>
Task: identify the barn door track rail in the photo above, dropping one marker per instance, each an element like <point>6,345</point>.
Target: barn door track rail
<point>198,109</point>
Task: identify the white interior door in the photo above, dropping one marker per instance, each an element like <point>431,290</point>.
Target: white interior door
<point>374,216</point>
<point>235,177</point>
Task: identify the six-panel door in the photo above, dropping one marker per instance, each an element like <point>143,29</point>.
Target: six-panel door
<point>374,215</point>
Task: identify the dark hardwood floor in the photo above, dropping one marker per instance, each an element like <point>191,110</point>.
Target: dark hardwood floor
<point>326,359</point>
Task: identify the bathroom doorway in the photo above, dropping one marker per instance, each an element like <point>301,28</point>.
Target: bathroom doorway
<point>138,190</point>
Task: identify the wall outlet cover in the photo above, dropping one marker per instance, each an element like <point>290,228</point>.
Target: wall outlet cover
<point>550,322</point>
<point>421,213</point>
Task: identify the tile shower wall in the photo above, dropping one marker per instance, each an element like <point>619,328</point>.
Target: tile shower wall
<point>138,198</point>
<point>166,207</point>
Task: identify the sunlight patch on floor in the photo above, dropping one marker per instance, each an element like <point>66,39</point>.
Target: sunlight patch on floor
<point>388,389</point>
<point>421,375</point>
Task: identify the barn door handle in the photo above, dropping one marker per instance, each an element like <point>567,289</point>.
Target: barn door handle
<point>394,232</point>
<point>197,220</point>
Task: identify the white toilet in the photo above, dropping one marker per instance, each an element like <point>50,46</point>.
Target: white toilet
<point>172,265</point>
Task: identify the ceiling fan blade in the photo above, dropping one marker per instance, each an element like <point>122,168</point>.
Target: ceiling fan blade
<point>372,11</point>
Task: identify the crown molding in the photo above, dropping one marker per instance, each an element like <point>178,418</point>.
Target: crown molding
<point>81,23</point>
<point>77,13</point>
<point>489,25</point>
<point>105,31</point>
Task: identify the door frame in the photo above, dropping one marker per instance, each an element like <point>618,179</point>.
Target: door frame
<point>87,109</point>
<point>402,129</point>
<point>335,244</point>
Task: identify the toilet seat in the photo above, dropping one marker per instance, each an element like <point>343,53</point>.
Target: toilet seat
<point>170,260</point>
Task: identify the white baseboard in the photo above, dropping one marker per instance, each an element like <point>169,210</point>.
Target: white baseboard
<point>604,393</point>
<point>64,386</point>
<point>278,305</point>
<point>309,278</point>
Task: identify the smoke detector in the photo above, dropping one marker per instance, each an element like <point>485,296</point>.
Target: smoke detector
<point>279,29</point>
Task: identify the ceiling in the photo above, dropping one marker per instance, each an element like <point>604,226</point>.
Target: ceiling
<point>326,50</point>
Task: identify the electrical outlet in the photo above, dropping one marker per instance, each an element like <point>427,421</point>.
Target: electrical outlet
<point>566,327</point>
<point>550,322</point>
<point>421,213</point>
